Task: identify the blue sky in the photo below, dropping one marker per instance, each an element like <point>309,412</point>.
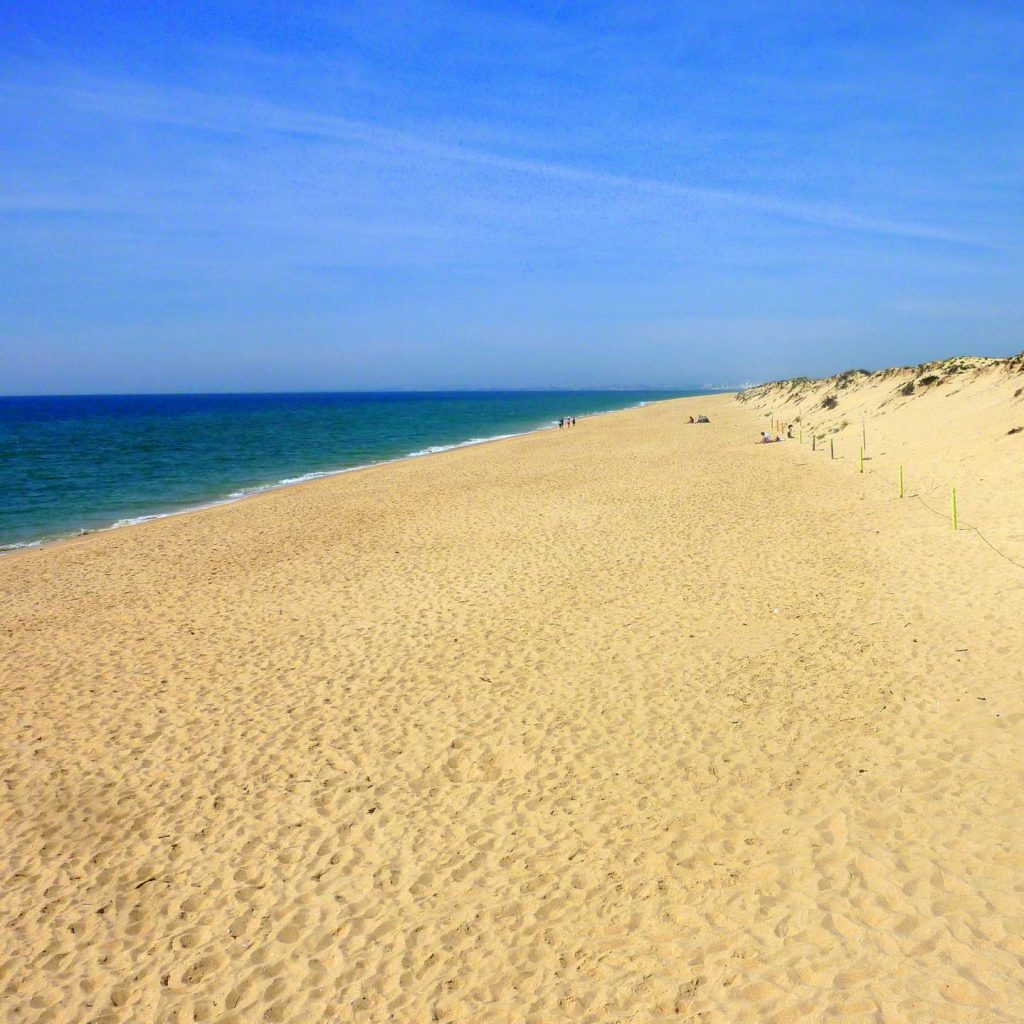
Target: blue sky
<point>255,196</point>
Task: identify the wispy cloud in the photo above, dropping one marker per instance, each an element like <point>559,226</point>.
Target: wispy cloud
<point>246,116</point>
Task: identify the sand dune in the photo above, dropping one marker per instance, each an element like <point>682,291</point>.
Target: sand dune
<point>955,423</point>
<point>634,722</point>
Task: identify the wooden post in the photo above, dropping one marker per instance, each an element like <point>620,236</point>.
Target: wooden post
<point>832,447</point>
<point>954,507</point>
<point>901,481</point>
<point>862,460</point>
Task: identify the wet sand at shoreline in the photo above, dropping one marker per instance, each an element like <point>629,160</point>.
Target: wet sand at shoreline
<point>632,722</point>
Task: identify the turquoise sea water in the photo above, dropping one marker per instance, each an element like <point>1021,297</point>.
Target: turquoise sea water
<point>72,464</point>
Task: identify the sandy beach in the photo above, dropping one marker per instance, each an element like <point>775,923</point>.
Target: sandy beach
<point>638,721</point>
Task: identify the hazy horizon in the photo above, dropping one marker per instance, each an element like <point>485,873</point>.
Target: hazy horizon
<point>554,389</point>
<point>438,196</point>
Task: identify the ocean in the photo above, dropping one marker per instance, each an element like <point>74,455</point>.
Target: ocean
<point>72,464</point>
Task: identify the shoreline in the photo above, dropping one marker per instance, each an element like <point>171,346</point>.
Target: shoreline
<point>312,477</point>
<point>256,492</point>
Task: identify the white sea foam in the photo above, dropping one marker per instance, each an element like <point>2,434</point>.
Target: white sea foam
<point>21,545</point>
<point>40,541</point>
<point>437,448</point>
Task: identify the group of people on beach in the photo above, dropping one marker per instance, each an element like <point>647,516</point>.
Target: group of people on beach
<point>567,421</point>
<point>766,438</point>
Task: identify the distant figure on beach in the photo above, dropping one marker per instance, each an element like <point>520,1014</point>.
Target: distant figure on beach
<point>574,421</point>
<point>789,431</point>
<point>561,422</point>
<point>702,419</point>
<point>767,438</point>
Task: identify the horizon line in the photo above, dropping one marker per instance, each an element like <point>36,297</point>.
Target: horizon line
<point>375,391</point>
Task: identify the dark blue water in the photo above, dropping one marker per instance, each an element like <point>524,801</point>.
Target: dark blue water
<point>70,464</point>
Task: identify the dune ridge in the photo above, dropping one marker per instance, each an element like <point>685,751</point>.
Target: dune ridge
<point>635,722</point>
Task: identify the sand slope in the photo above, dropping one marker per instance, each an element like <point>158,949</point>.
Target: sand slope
<point>955,423</point>
<point>635,722</point>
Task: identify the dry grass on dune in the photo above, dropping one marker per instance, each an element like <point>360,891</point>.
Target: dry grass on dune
<point>635,722</point>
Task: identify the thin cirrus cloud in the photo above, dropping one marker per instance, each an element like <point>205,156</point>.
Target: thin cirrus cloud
<point>239,115</point>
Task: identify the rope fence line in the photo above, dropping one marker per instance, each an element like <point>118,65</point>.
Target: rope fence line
<point>961,526</point>
<point>967,528</point>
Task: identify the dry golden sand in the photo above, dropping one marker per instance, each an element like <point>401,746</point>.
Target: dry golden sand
<point>634,722</point>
